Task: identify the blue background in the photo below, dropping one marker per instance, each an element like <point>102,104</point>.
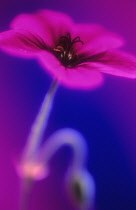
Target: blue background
<point>106,116</point>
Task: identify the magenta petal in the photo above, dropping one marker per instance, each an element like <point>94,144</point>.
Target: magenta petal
<point>96,39</point>
<point>49,25</point>
<point>59,23</point>
<point>81,77</point>
<point>118,63</point>
<point>19,43</point>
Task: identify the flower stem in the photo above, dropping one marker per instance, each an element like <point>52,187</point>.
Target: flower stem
<point>39,124</point>
<point>25,193</point>
<point>32,145</point>
<point>63,137</point>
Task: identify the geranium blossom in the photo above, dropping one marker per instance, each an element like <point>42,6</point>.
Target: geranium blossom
<point>74,54</point>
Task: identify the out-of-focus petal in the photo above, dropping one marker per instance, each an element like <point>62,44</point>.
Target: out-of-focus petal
<point>117,63</point>
<point>82,77</point>
<point>85,76</point>
<point>96,39</point>
<point>20,43</point>
<point>49,25</point>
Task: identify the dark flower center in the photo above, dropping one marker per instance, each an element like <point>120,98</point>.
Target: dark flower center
<point>65,51</point>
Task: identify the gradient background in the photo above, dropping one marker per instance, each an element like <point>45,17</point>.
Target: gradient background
<point>106,116</point>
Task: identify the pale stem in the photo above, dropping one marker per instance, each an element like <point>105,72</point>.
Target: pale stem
<point>25,193</point>
<point>33,142</point>
<point>73,139</point>
<point>61,138</point>
<point>39,125</point>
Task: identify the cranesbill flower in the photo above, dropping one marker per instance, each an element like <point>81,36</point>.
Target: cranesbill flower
<point>74,54</point>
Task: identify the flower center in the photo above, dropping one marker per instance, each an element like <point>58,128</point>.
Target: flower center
<point>65,51</point>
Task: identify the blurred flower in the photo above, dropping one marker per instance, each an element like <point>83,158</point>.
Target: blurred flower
<point>74,54</point>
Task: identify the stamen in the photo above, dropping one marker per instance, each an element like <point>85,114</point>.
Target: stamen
<point>65,42</point>
<point>77,41</point>
<point>57,50</point>
<point>69,36</point>
<point>77,37</point>
<point>64,37</point>
<point>65,51</point>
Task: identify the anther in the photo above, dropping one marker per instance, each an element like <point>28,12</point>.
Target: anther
<point>65,51</point>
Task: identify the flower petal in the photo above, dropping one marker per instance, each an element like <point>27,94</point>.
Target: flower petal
<point>20,44</point>
<point>48,25</point>
<point>82,77</point>
<point>96,39</point>
<point>117,63</point>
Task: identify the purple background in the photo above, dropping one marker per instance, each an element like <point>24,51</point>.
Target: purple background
<point>106,116</point>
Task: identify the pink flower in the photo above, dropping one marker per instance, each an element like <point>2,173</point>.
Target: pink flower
<point>74,54</point>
